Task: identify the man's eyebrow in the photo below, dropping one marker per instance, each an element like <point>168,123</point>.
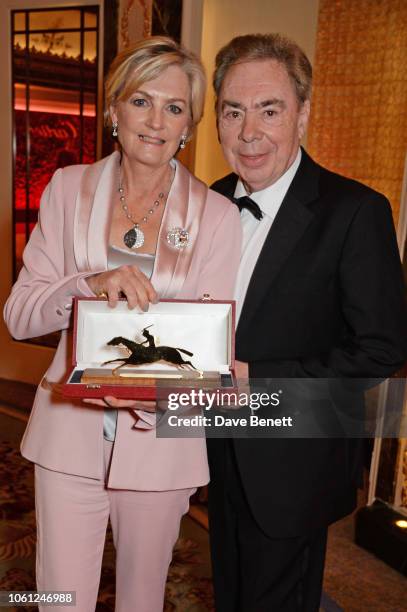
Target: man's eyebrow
<point>233,104</point>
<point>262,104</point>
<point>271,102</point>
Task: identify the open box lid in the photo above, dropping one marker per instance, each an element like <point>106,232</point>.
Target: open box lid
<point>205,328</point>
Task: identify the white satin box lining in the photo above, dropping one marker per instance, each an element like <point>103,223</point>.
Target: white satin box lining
<point>205,329</point>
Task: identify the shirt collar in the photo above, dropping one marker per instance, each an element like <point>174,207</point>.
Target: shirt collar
<point>273,195</point>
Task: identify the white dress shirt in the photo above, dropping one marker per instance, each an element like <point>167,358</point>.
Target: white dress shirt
<point>255,231</point>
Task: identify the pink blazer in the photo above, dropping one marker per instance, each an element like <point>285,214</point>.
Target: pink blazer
<point>70,243</point>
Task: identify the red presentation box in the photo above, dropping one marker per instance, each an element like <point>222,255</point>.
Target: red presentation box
<point>200,332</point>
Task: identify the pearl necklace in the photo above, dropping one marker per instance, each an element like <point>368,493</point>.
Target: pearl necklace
<point>134,237</point>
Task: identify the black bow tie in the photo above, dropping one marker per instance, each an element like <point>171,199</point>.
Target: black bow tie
<point>246,202</point>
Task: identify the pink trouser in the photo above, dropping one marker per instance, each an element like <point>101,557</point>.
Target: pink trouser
<point>72,516</point>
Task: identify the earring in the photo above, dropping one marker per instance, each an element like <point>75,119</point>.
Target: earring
<point>182,142</point>
<point>114,129</point>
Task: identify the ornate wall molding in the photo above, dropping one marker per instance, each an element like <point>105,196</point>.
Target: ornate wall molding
<point>135,21</point>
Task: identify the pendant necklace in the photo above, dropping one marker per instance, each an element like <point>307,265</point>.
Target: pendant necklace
<point>134,238</point>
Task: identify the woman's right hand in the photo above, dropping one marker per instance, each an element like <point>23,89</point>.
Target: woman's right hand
<point>125,280</point>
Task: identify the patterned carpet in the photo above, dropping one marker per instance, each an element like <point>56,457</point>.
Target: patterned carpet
<point>357,580</point>
<point>354,580</point>
<point>189,586</point>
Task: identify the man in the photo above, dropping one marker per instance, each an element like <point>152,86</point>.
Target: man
<point>320,289</point>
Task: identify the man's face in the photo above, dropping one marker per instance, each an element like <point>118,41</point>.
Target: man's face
<point>260,121</point>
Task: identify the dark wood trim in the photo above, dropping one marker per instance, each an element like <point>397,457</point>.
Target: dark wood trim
<point>19,395</point>
<point>110,34</point>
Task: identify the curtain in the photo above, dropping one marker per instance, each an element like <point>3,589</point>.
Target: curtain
<point>358,121</point>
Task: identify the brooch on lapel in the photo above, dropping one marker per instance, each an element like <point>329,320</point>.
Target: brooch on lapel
<point>178,237</point>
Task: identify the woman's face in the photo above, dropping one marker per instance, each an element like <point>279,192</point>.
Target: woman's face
<point>153,120</point>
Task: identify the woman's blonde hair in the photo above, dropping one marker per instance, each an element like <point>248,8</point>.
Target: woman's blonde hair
<point>146,60</point>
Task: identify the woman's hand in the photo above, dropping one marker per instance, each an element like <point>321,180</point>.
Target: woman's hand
<point>127,280</point>
<point>115,402</point>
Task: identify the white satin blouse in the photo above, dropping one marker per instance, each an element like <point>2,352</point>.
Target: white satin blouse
<point>145,262</point>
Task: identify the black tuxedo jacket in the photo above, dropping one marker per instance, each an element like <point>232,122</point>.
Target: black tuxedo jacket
<point>325,300</point>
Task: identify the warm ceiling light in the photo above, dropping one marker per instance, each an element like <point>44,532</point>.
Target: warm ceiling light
<point>402,524</point>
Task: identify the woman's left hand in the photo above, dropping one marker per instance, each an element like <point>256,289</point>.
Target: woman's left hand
<point>115,402</point>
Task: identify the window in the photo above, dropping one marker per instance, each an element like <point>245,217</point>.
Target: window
<point>54,81</point>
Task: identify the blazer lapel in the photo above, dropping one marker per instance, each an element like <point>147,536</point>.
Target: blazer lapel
<point>96,197</point>
<point>183,211</point>
<point>100,219</point>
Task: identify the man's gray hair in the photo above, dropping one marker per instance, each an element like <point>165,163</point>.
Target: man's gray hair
<point>253,47</point>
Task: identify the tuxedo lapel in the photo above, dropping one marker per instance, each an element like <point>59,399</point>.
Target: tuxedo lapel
<point>288,227</point>
<point>226,185</point>
<point>291,221</point>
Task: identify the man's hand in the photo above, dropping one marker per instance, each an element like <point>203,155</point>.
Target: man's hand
<point>126,280</point>
<point>241,369</point>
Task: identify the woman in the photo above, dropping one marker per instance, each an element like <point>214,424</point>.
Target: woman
<point>105,229</point>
